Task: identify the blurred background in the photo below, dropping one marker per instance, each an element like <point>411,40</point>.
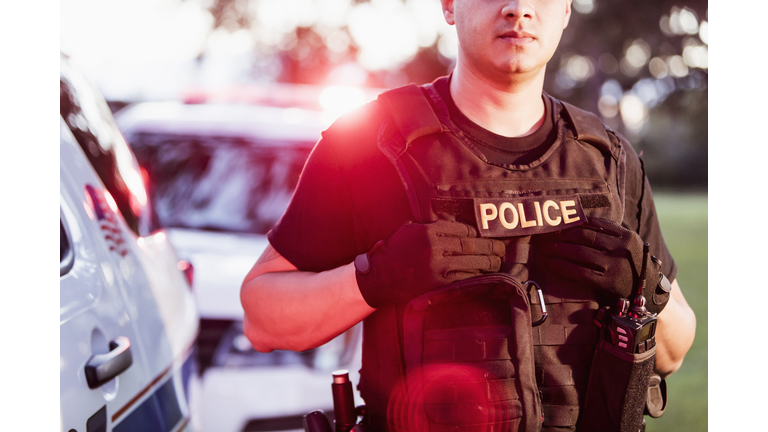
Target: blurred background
<point>644,70</point>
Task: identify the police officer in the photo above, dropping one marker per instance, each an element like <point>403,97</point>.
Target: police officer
<point>351,245</point>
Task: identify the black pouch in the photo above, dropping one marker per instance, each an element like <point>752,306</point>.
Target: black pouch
<point>617,390</point>
<point>469,359</point>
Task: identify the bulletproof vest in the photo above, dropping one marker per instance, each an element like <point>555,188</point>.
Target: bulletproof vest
<point>468,331</point>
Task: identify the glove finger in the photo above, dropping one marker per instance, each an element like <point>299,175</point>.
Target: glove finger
<point>453,276</point>
<point>474,246</point>
<point>472,263</point>
<point>587,236</point>
<point>580,255</point>
<point>572,271</point>
<point>606,226</point>
<point>444,228</point>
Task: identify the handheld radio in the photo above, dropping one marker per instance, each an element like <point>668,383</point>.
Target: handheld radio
<point>617,392</point>
<point>633,328</point>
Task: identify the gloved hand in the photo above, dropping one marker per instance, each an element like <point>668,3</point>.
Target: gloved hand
<point>421,257</point>
<point>605,255</point>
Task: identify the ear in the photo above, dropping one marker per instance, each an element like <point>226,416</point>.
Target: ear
<point>567,13</point>
<point>448,11</point>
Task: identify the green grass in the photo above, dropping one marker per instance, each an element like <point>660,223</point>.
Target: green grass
<point>683,219</point>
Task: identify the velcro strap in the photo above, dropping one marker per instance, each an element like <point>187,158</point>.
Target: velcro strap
<point>411,112</point>
<point>557,334</point>
<point>466,350</point>
<point>594,201</point>
<point>469,392</point>
<point>560,415</point>
<point>453,206</point>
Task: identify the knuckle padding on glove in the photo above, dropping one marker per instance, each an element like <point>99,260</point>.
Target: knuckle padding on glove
<point>445,228</point>
<point>603,254</point>
<point>477,246</point>
<point>421,257</point>
<point>473,263</point>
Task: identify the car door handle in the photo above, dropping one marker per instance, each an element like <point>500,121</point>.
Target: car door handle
<point>101,368</point>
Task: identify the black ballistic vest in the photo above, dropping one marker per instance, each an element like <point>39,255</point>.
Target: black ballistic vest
<point>459,345</point>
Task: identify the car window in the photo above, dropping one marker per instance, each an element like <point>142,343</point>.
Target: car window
<point>91,122</point>
<point>220,183</point>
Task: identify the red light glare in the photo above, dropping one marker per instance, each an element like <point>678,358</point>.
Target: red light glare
<point>188,270</point>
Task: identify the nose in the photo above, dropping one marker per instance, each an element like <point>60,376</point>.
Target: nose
<point>518,9</point>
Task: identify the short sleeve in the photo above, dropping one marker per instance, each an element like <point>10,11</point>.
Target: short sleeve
<point>314,233</point>
<point>349,196</point>
<point>640,211</point>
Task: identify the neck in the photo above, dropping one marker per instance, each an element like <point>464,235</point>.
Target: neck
<point>511,108</point>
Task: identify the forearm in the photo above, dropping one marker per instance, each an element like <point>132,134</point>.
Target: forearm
<point>290,309</point>
<point>675,332</point>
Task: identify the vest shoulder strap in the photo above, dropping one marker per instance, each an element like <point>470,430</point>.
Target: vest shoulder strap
<point>411,112</point>
<point>589,128</point>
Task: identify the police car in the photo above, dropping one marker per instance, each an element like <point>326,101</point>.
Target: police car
<point>219,176</point>
<point>128,321</point>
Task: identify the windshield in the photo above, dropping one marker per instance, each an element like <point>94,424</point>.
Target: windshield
<point>219,183</point>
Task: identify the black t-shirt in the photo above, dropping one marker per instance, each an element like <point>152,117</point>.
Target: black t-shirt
<point>349,195</point>
<point>498,148</point>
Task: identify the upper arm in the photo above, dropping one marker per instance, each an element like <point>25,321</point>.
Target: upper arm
<point>270,261</point>
<point>675,333</point>
<point>314,233</point>
<point>640,210</point>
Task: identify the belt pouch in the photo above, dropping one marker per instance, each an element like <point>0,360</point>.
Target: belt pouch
<point>617,390</point>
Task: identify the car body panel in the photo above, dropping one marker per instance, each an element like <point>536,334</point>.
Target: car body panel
<point>266,123</point>
<point>219,225</point>
<point>119,285</point>
<point>221,261</point>
<point>214,210</point>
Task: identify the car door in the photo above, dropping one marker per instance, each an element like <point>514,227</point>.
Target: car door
<point>101,367</point>
<point>156,300</point>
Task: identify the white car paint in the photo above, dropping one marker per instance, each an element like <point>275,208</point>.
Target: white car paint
<point>232,392</point>
<point>119,285</point>
<point>221,261</point>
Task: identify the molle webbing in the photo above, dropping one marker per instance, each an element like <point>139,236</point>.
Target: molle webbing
<point>411,112</point>
<point>413,117</point>
<point>589,128</point>
<point>444,178</point>
<point>469,358</point>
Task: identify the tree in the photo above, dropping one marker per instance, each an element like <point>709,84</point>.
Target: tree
<point>642,68</point>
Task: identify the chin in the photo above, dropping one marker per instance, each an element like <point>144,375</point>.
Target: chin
<point>518,69</point>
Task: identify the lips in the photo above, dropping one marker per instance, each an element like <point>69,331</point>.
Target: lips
<point>517,37</point>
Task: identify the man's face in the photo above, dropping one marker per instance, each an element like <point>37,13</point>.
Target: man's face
<point>507,39</point>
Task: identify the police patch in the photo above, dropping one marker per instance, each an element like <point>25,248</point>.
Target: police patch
<point>510,217</point>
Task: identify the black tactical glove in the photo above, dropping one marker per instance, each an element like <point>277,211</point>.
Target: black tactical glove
<point>607,256</point>
<point>421,257</point>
